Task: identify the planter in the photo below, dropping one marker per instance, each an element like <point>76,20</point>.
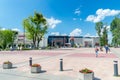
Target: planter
<point>7,66</point>
<point>36,69</point>
<point>86,76</point>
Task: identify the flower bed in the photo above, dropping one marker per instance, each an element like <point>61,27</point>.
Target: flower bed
<point>7,65</point>
<point>86,74</point>
<point>36,65</point>
<point>35,68</point>
<point>85,71</point>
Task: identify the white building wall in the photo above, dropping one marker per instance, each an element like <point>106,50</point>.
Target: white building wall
<point>20,40</point>
<point>90,40</point>
<point>96,40</point>
<point>43,42</point>
<point>78,41</point>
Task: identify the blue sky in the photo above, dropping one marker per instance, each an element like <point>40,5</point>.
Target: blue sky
<point>65,17</point>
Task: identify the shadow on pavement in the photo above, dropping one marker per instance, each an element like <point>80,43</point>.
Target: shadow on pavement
<point>14,67</point>
<point>68,70</point>
<point>43,71</point>
<point>97,78</point>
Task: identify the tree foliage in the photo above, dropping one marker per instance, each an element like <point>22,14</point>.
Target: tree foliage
<point>115,29</point>
<point>98,27</point>
<point>35,28</point>
<point>102,32</point>
<point>7,38</point>
<point>105,35</point>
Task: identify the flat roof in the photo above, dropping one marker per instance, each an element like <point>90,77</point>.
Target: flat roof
<point>61,36</point>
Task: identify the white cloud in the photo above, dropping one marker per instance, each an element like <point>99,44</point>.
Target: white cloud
<point>101,14</point>
<point>77,11</point>
<point>16,29</point>
<point>55,33</point>
<point>76,32</point>
<point>52,22</point>
<point>3,29</point>
<point>87,35</point>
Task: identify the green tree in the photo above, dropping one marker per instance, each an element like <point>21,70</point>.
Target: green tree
<point>102,32</point>
<point>115,29</point>
<point>35,27</point>
<point>0,39</point>
<point>105,35</point>
<point>6,38</point>
<point>98,27</point>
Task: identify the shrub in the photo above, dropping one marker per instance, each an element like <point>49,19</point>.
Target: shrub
<point>86,71</point>
<point>7,62</point>
<point>36,65</point>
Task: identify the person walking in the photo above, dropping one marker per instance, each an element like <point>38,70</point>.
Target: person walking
<point>107,49</point>
<point>96,50</point>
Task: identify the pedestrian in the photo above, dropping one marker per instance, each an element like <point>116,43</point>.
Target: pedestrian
<point>101,49</point>
<point>96,50</point>
<point>107,49</point>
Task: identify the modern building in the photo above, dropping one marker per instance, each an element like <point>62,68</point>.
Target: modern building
<point>86,41</point>
<point>78,41</point>
<point>58,41</point>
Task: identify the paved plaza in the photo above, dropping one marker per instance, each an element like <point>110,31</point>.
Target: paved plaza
<point>74,59</point>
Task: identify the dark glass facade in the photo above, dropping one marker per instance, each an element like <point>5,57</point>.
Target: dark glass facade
<point>58,41</point>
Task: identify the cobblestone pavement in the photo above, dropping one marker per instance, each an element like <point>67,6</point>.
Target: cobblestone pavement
<point>74,59</point>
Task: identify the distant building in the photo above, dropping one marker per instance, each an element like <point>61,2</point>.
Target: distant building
<point>86,41</point>
<point>58,41</point>
<point>79,41</point>
<point>22,39</point>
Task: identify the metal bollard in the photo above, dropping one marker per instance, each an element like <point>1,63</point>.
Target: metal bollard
<point>61,64</point>
<point>30,61</point>
<point>115,68</point>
